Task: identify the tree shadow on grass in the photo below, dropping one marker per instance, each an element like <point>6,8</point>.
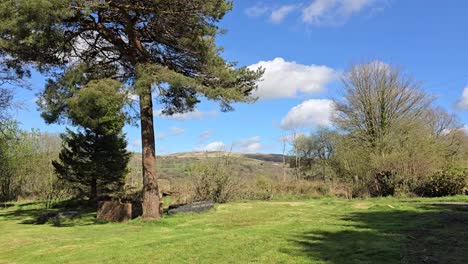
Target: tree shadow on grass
<point>5,205</point>
<point>433,234</point>
<point>35,214</point>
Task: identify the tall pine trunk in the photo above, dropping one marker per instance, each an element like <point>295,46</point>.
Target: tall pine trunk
<point>151,200</point>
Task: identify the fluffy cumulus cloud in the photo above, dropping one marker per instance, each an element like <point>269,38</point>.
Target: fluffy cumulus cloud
<point>310,113</point>
<point>284,79</point>
<point>278,15</point>
<point>194,115</point>
<point>251,145</point>
<point>336,12</point>
<point>213,146</point>
<point>462,103</point>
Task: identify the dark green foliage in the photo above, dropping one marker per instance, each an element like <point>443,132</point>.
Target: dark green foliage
<point>384,184</point>
<point>95,158</point>
<point>177,36</point>
<point>98,106</point>
<point>54,100</point>
<point>94,163</point>
<point>447,182</point>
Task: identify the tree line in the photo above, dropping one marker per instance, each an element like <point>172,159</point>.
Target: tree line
<point>388,138</point>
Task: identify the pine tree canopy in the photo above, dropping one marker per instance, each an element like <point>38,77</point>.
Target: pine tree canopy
<point>163,45</point>
<point>164,41</point>
<point>98,106</point>
<point>88,158</point>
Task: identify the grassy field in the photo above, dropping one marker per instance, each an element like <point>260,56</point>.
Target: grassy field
<point>324,230</point>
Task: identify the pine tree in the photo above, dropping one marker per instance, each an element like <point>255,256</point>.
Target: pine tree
<point>93,163</point>
<point>168,45</point>
<point>95,158</point>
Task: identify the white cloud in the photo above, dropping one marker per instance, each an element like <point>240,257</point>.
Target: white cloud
<point>252,144</point>
<point>284,79</point>
<point>278,15</point>
<point>465,129</point>
<point>194,115</point>
<point>255,11</point>
<point>462,103</point>
<point>310,113</point>
<point>335,12</point>
<point>214,146</point>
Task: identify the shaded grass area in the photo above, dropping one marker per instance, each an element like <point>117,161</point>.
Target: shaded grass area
<point>327,230</point>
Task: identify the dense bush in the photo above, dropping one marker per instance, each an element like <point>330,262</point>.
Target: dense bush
<point>26,171</point>
<point>444,183</point>
<point>383,184</point>
<point>213,181</point>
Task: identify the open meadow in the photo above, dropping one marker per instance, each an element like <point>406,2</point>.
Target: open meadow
<point>327,230</point>
<point>230,131</point>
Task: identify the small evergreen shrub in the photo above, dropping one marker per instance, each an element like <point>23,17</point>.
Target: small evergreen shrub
<point>383,184</point>
<point>447,182</point>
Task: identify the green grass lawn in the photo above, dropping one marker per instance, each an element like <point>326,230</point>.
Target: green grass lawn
<point>324,230</point>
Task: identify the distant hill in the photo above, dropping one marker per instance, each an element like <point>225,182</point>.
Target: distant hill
<point>176,165</point>
<point>278,158</point>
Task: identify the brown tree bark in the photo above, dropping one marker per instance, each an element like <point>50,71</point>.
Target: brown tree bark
<point>151,199</point>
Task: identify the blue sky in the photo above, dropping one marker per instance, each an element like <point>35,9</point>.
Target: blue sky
<point>304,46</point>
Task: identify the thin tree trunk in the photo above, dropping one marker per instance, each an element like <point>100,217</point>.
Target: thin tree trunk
<point>151,200</point>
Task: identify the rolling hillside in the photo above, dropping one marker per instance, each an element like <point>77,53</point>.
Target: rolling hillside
<point>175,166</point>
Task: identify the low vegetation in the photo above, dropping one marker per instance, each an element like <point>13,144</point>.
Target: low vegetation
<point>327,230</point>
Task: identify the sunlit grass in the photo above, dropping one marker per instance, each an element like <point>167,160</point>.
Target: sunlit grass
<point>324,230</point>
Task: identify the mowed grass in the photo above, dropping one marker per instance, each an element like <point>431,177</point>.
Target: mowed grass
<point>327,230</point>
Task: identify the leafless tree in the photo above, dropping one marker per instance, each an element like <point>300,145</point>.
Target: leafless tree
<point>377,97</point>
<point>440,122</point>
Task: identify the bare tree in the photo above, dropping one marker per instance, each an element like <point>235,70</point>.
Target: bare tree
<point>284,142</point>
<point>377,97</point>
<point>440,122</point>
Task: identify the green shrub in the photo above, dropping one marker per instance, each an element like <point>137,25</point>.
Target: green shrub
<point>213,180</point>
<point>383,184</point>
<point>444,183</point>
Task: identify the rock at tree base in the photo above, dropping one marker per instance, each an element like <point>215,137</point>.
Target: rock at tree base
<point>114,211</point>
<point>196,207</point>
